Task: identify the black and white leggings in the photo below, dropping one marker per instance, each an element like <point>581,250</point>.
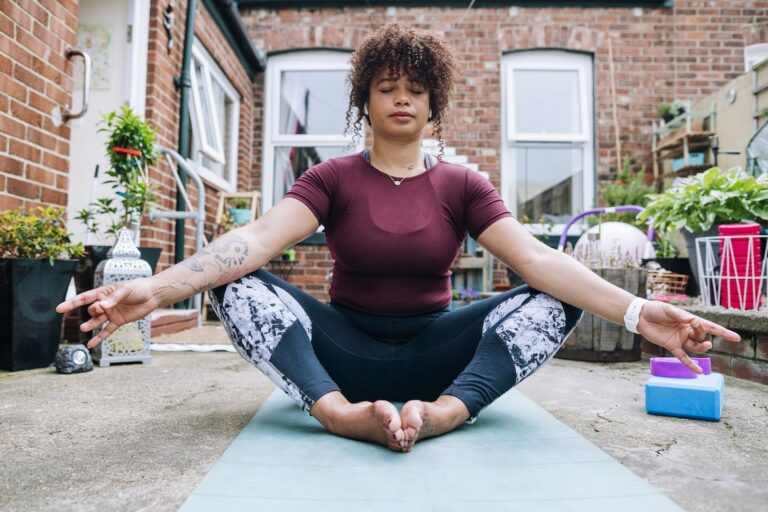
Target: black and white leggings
<point>308,348</point>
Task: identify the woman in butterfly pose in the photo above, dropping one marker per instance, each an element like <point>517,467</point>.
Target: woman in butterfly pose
<point>394,219</point>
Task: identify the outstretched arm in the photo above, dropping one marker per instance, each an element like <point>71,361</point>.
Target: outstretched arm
<point>564,278</point>
<point>227,258</point>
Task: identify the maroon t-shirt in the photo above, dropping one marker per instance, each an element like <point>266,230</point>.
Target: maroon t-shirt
<point>393,246</point>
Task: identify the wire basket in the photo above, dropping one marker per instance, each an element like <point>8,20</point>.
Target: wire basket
<point>733,270</point>
<point>664,281</point>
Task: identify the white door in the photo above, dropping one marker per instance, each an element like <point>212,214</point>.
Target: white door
<point>114,35</point>
<point>548,171</point>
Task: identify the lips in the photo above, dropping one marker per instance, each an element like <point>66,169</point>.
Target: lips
<point>401,114</point>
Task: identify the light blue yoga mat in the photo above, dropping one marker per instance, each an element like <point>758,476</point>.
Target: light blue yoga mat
<point>515,457</point>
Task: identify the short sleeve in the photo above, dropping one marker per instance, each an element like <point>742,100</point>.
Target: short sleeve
<point>315,188</point>
<point>483,204</point>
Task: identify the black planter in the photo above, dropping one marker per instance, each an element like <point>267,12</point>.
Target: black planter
<point>678,266</point>
<point>30,327</point>
<point>84,281</point>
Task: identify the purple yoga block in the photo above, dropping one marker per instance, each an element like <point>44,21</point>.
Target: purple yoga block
<point>672,367</point>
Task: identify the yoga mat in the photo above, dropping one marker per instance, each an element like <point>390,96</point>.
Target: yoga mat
<point>515,457</point>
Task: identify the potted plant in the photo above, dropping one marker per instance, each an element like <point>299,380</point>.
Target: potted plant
<point>131,150</point>
<point>36,265</point>
<point>240,212</point>
<point>669,111</point>
<point>698,204</point>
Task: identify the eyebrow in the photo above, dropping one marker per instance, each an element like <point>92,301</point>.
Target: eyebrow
<point>392,79</point>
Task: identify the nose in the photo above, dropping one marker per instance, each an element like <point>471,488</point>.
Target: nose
<point>402,98</point>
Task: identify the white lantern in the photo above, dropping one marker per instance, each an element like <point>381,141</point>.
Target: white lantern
<point>130,342</point>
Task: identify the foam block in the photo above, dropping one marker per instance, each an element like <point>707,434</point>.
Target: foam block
<point>673,367</point>
<point>700,398</point>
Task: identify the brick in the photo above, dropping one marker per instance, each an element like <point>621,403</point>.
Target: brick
<point>745,348</point>
<point>13,88</point>
<point>41,138</point>
<point>3,144</point>
<point>12,127</point>
<point>24,151</point>
<point>26,114</point>
<point>23,189</point>
<point>39,175</point>
<point>749,370</point>
<point>721,363</point>
<point>57,197</point>
<point>16,13</point>
<point>10,203</point>
<point>761,352</point>
<point>62,182</point>
<point>55,162</point>
<point>11,165</point>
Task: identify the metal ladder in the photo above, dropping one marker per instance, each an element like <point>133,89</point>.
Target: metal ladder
<point>198,216</point>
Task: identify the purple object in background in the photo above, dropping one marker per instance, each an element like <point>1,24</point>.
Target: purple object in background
<point>673,368</point>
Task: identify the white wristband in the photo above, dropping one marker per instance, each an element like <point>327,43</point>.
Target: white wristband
<point>632,316</point>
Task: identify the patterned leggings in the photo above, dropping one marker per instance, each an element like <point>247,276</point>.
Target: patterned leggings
<point>308,348</point>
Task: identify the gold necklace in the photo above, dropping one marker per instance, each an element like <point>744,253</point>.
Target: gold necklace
<point>396,181</point>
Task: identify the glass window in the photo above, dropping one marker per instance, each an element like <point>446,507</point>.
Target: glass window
<point>548,155</point>
<point>549,182</point>
<point>291,162</point>
<point>310,102</point>
<point>214,108</point>
<point>547,101</point>
<point>306,99</point>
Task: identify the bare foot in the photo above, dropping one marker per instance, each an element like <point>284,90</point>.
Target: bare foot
<point>421,420</point>
<point>378,422</point>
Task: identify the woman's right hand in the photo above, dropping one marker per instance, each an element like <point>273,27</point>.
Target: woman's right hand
<point>114,305</point>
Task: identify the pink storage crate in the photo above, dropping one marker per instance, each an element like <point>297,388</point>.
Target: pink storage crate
<point>740,266</point>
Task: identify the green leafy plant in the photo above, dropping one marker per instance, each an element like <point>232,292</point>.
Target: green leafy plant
<point>698,202</point>
<point>667,248</point>
<point>668,111</point>
<point>41,234</point>
<point>241,203</point>
<point>628,188</point>
<point>131,150</point>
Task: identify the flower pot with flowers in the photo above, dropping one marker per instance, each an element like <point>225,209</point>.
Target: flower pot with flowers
<point>37,258</point>
<point>131,150</point>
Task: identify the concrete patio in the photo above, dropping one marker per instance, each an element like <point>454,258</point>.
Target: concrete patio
<point>140,437</point>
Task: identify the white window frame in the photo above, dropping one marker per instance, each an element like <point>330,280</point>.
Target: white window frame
<point>226,155</point>
<point>310,60</point>
<point>548,60</point>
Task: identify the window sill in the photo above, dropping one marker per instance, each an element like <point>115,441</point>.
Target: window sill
<point>212,179</point>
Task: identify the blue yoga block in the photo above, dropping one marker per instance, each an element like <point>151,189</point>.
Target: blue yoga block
<point>700,398</point>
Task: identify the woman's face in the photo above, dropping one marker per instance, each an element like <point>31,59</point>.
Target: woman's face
<point>397,108</point>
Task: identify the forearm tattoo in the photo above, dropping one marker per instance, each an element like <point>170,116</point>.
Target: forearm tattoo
<point>223,260</point>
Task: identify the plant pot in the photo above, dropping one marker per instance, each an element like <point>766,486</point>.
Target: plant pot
<point>678,266</point>
<point>597,339</point>
<point>30,327</point>
<point>84,274</point>
<point>240,215</point>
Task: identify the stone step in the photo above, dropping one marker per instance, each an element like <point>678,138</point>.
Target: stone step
<point>167,321</point>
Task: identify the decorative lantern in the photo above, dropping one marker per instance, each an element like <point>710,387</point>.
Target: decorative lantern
<point>130,342</point>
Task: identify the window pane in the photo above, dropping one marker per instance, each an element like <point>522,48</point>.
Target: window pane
<point>546,101</point>
<point>291,162</point>
<point>313,102</point>
<point>205,107</point>
<point>549,182</point>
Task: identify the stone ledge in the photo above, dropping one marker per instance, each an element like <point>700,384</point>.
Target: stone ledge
<point>734,319</point>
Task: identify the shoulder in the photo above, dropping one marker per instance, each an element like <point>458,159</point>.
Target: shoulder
<point>464,176</point>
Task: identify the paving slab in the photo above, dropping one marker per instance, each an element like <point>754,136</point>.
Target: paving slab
<point>142,437</point>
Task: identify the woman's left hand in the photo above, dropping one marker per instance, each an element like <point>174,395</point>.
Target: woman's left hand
<point>679,331</point>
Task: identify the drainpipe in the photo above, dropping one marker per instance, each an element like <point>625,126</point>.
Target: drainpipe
<point>184,83</point>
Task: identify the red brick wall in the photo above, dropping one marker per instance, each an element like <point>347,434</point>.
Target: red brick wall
<point>35,77</point>
<point>659,55</point>
<point>163,112</point>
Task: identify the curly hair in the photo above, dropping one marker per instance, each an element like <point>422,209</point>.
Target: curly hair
<point>423,57</point>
